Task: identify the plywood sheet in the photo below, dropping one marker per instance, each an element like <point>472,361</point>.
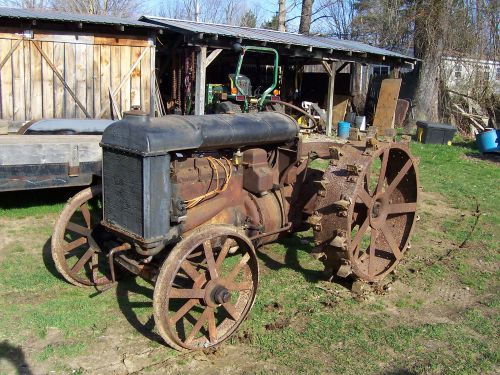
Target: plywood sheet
<point>340,103</point>
<point>386,105</point>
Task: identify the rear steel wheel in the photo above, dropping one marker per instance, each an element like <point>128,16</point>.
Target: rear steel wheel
<point>79,241</point>
<point>366,212</point>
<point>205,288</point>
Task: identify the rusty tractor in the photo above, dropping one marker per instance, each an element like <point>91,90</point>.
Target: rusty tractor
<point>184,201</point>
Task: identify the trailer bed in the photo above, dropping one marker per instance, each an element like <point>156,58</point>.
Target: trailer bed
<point>48,161</point>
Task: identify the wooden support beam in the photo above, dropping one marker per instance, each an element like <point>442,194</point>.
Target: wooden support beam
<point>342,67</point>
<point>212,57</point>
<point>114,106</point>
<point>329,106</point>
<point>199,96</point>
<point>61,78</point>
<point>153,83</point>
<point>9,54</point>
<point>327,68</point>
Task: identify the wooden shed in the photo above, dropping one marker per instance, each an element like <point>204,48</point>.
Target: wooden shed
<point>58,65</point>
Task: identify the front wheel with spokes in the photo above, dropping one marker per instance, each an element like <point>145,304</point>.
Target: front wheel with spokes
<point>206,287</point>
<point>79,242</point>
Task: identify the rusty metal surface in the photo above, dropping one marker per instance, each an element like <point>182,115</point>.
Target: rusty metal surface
<point>364,215</point>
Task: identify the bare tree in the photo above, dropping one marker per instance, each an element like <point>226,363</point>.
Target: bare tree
<point>281,15</point>
<point>216,11</point>
<point>306,16</point>
<point>26,4</point>
<point>120,8</point>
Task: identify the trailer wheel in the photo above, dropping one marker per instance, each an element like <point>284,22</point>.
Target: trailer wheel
<point>79,241</point>
<point>205,288</point>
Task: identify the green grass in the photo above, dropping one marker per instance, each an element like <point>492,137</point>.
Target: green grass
<point>409,330</point>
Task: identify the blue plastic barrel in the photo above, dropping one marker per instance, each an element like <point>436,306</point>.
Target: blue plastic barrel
<point>487,141</point>
<point>343,129</point>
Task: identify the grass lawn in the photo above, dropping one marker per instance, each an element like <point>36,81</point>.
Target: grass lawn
<point>437,314</point>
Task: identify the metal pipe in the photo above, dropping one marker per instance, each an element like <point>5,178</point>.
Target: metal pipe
<point>266,234</point>
<point>123,247</point>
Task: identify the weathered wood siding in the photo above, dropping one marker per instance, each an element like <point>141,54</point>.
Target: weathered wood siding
<point>90,65</point>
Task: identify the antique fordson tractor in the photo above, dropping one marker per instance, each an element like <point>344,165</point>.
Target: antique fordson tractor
<point>184,201</point>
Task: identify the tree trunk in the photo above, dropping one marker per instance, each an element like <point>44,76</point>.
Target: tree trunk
<point>431,23</point>
<point>305,16</point>
<point>281,15</point>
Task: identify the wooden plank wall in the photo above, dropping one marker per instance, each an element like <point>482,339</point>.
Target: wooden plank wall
<point>90,65</point>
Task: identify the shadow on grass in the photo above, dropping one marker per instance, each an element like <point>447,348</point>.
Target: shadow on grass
<point>15,356</point>
<point>49,262</point>
<point>36,198</point>
<point>292,245</point>
<point>123,290</point>
<point>493,157</point>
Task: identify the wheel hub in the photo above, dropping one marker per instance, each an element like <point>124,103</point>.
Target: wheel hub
<point>378,212</point>
<point>216,293</point>
<point>221,295</point>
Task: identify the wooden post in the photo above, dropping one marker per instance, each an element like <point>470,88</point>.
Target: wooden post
<point>152,87</point>
<point>199,97</point>
<point>330,69</point>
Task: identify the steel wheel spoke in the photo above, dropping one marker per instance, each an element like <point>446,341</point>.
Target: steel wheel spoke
<point>86,214</point>
<point>183,310</point>
<point>231,310</point>
<point>187,293</point>
<point>84,259</point>
<point>76,228</point>
<point>201,321</point>
<point>371,259</point>
<point>394,184</point>
<point>212,328</point>
<point>190,270</point>
<point>74,244</point>
<point>238,267</point>
<point>383,169</point>
<point>401,208</point>
<point>223,253</point>
<point>209,255</point>
<point>392,243</point>
<point>359,235</point>
<point>365,197</point>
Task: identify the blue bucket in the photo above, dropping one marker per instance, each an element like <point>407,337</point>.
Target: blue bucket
<point>487,141</point>
<point>343,129</point>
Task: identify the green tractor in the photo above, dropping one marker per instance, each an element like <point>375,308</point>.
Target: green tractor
<point>238,96</point>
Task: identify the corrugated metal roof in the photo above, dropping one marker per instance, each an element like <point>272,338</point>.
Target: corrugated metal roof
<point>270,36</point>
<point>29,14</point>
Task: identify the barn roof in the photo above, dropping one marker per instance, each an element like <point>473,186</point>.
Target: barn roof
<point>46,15</point>
<point>325,44</point>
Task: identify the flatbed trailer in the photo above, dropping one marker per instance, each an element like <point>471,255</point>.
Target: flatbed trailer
<point>30,162</point>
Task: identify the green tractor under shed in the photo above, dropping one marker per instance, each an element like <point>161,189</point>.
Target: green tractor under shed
<point>238,95</point>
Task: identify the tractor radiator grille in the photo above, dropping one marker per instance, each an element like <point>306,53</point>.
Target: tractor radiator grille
<point>136,194</point>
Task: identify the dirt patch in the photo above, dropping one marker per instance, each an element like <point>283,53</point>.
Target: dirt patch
<point>280,323</point>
